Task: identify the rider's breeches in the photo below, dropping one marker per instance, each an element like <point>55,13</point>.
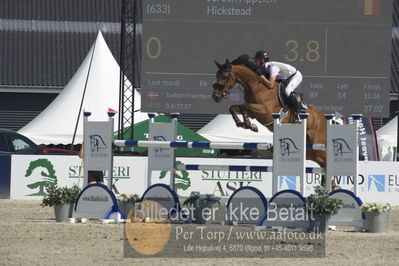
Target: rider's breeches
<point>294,83</point>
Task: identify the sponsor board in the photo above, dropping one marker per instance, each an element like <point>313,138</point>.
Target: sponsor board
<point>378,181</point>
<point>30,174</point>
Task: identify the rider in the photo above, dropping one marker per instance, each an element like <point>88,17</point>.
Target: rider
<point>277,71</point>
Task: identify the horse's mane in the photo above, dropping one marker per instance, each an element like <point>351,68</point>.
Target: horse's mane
<point>245,60</point>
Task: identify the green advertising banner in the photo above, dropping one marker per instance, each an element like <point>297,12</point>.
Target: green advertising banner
<point>183,134</point>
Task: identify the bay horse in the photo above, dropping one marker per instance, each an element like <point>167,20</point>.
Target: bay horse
<point>261,102</point>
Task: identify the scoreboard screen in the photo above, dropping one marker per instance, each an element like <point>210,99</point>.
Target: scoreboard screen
<point>341,47</point>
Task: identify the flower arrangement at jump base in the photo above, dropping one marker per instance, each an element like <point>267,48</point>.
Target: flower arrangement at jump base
<point>321,206</point>
<point>377,216</point>
<point>62,199</point>
<point>126,202</point>
<point>375,207</point>
<point>200,202</point>
<point>132,198</point>
<point>196,198</point>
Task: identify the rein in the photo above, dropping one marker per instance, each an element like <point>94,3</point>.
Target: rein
<point>242,82</point>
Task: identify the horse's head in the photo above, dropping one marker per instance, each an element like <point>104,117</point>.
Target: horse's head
<point>224,81</point>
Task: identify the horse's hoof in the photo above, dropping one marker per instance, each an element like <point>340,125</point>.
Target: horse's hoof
<point>254,128</point>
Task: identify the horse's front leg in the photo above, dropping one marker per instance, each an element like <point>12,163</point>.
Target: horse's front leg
<point>243,110</point>
<point>247,122</point>
<point>234,109</point>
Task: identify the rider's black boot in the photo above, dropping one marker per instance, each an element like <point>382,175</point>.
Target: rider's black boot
<point>293,103</point>
<point>296,105</point>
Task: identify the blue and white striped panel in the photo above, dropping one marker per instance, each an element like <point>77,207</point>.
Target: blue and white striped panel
<point>316,146</point>
<point>315,170</point>
<point>243,168</point>
<point>194,144</point>
<point>198,167</point>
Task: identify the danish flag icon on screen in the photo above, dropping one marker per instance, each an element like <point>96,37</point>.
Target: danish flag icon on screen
<point>372,7</point>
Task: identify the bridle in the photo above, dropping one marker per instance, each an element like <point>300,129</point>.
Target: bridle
<point>221,89</point>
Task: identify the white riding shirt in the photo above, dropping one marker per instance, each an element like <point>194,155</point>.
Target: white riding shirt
<point>284,71</point>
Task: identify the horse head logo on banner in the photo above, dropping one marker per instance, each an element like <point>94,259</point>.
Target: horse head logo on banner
<point>340,147</point>
<point>97,143</point>
<point>287,146</point>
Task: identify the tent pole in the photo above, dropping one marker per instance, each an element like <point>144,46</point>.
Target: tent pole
<point>84,93</point>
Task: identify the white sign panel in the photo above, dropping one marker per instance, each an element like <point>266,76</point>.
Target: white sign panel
<point>343,148</point>
<point>378,181</point>
<point>95,202</point>
<point>289,149</point>
<point>247,198</point>
<point>31,173</point>
<point>288,200</point>
<point>350,214</point>
<point>98,145</point>
<point>161,158</point>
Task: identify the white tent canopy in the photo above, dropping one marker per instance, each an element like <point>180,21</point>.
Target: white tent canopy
<point>223,128</point>
<point>56,124</point>
<point>387,140</point>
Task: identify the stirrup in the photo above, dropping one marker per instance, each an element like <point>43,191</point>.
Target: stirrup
<point>303,108</point>
<point>297,119</point>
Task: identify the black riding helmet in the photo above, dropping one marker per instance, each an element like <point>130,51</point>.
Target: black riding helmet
<point>263,55</point>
